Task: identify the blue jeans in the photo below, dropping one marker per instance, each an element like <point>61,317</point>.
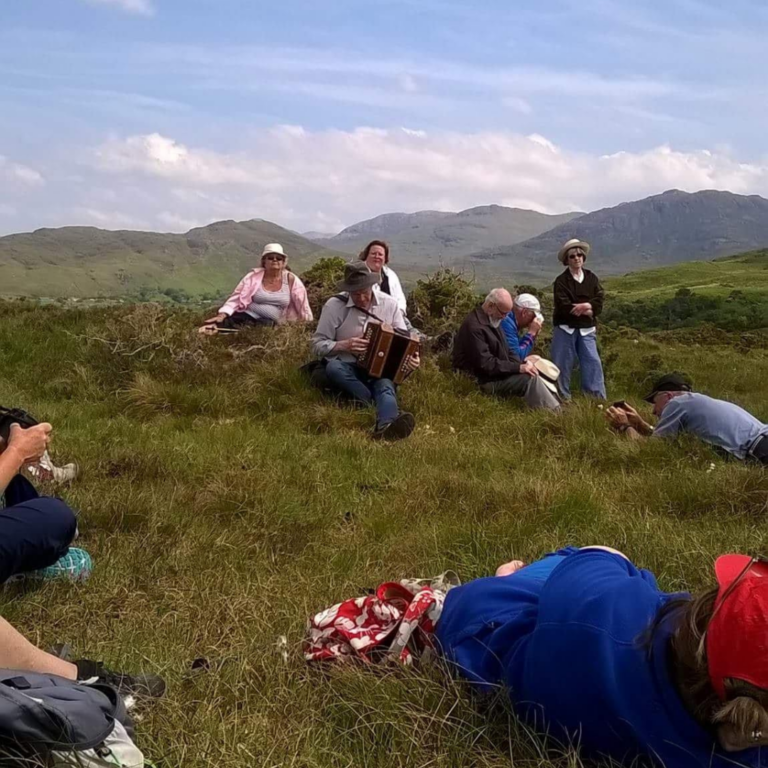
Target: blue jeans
<point>566,349</point>
<point>35,531</point>
<point>355,382</point>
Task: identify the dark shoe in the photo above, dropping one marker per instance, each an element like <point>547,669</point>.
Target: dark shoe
<point>398,429</point>
<point>152,686</point>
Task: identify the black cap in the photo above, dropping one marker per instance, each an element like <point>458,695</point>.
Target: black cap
<point>671,382</point>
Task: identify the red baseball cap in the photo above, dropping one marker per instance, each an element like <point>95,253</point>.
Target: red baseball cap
<point>737,636</point>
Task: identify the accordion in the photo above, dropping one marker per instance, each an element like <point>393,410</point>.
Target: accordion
<point>388,352</point>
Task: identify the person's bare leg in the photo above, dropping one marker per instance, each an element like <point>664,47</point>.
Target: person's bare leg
<point>509,568</point>
<point>16,652</point>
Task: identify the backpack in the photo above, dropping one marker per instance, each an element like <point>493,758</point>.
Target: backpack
<point>49,721</point>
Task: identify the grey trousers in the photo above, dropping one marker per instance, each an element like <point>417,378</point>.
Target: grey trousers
<point>531,388</point>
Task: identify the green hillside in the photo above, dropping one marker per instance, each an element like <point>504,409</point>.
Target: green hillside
<point>91,262</point>
<point>747,272</point>
<point>730,293</point>
<point>223,502</point>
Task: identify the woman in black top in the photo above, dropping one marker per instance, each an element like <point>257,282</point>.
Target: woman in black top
<point>578,301</point>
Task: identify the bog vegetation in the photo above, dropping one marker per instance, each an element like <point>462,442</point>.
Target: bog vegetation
<point>224,501</point>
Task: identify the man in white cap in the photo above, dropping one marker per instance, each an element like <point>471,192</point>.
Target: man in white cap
<point>525,316</point>
<point>578,301</point>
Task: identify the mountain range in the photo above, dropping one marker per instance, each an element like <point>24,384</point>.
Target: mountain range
<point>670,228</point>
<point>430,238</point>
<point>86,261</point>
<point>493,242</point>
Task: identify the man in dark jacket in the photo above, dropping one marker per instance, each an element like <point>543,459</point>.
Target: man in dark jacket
<point>481,350</point>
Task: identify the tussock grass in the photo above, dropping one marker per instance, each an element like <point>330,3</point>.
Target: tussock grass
<point>224,501</point>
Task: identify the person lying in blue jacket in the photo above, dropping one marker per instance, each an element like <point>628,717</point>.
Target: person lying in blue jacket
<point>593,652</point>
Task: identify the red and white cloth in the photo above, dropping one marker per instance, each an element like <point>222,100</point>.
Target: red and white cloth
<point>397,622</point>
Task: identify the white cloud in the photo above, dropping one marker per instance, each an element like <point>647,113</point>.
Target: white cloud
<point>321,180</point>
<point>23,174</point>
<point>141,7</point>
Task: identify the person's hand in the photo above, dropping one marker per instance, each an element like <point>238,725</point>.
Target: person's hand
<point>535,326</point>
<point>29,444</point>
<point>414,361</point>
<point>633,417</point>
<point>217,319</point>
<point>529,368</point>
<point>581,309</point>
<point>356,345</point>
<point>617,417</point>
<point>509,568</point>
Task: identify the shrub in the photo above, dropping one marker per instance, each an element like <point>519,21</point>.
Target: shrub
<point>440,302</point>
<point>320,281</point>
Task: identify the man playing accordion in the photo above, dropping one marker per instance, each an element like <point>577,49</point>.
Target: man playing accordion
<point>340,341</point>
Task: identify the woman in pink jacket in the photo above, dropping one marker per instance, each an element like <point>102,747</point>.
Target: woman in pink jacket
<point>269,295</point>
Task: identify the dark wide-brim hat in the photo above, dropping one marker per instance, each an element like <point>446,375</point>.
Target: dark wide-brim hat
<point>357,277</point>
<point>671,382</point>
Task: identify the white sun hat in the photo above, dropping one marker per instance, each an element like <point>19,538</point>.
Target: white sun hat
<point>273,248</point>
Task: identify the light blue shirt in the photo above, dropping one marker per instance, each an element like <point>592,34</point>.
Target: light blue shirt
<point>717,422</point>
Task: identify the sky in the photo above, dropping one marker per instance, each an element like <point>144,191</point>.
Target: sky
<point>170,114</point>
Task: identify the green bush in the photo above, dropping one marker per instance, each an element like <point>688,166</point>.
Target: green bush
<point>441,301</point>
<point>320,280</point>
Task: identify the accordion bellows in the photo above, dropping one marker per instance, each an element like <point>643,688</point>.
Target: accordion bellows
<point>388,352</point>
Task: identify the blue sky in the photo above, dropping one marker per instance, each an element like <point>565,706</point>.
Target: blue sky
<point>165,114</point>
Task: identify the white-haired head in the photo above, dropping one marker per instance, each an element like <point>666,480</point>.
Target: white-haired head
<point>497,305</point>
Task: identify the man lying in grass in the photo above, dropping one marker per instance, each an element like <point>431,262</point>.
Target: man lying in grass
<point>594,653</point>
<point>677,408</point>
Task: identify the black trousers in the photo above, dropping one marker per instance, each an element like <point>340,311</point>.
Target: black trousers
<point>760,451</point>
<point>241,320</point>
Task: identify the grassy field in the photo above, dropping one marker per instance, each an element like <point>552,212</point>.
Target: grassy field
<point>747,272</point>
<point>223,502</point>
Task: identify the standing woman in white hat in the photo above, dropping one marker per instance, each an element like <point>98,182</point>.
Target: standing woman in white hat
<point>268,295</point>
<point>578,301</point>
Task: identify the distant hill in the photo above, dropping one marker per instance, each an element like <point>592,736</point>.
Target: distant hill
<point>86,261</point>
<point>664,229</point>
<point>429,238</point>
<point>317,236</point>
<point>388,224</point>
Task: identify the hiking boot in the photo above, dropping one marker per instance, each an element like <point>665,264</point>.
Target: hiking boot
<point>397,429</point>
<point>90,672</point>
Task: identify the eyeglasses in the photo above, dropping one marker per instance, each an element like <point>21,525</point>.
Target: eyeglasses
<point>274,257</point>
<point>576,254</point>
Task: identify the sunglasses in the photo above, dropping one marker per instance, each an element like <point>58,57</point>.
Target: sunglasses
<point>576,255</point>
<point>273,257</point>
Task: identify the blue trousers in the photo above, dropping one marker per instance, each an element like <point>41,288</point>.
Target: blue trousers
<point>567,348</point>
<point>355,382</point>
<point>35,531</point>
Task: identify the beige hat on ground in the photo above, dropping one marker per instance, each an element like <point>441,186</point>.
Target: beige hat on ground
<point>575,243</point>
<point>273,248</point>
<point>548,373</point>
